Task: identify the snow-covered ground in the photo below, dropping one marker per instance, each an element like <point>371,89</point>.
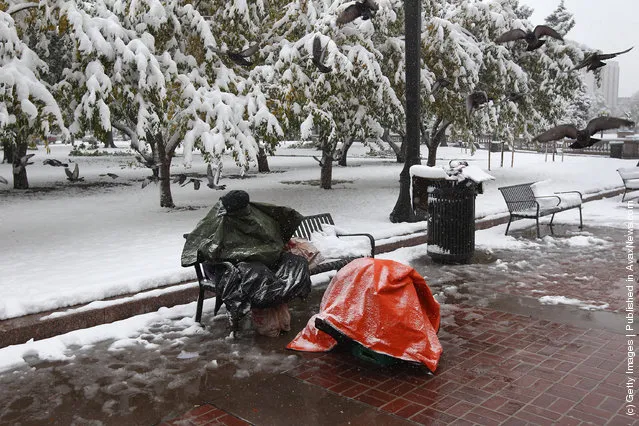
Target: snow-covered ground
<point>66,243</point>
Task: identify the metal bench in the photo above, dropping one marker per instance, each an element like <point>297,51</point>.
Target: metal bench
<point>309,225</point>
<point>630,177</point>
<point>524,204</point>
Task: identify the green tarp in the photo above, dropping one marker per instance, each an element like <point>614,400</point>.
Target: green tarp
<point>255,233</point>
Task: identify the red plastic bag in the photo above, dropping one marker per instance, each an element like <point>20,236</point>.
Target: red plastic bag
<point>271,321</point>
<point>306,249</point>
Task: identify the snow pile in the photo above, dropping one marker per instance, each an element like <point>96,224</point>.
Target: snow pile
<point>563,300</point>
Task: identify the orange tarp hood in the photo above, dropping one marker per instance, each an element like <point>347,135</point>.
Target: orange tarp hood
<point>382,304</point>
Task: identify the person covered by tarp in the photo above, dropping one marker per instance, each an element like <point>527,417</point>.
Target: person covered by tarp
<point>385,306</point>
<point>241,247</point>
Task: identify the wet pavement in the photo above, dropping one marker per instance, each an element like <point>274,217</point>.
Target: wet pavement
<point>508,358</point>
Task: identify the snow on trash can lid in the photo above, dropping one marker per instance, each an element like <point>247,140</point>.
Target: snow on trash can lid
<point>456,170</point>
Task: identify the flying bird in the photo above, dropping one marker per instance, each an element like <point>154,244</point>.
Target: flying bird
<point>318,56</point>
<point>238,57</point>
<point>365,9</point>
<point>595,60</point>
<point>533,38</point>
<point>214,178</point>
<point>583,138</point>
<point>111,175</point>
<point>75,175</point>
<point>55,163</point>
<point>474,101</point>
<point>196,183</point>
<point>3,180</point>
<point>22,163</point>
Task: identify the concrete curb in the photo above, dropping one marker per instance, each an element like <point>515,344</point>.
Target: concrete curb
<point>37,326</point>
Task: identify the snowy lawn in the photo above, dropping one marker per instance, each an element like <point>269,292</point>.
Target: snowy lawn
<point>66,243</point>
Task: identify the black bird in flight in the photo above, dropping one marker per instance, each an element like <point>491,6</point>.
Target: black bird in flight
<point>318,56</point>
<point>55,163</point>
<point>595,60</point>
<point>533,38</point>
<point>214,178</point>
<point>583,138</point>
<point>474,101</point>
<point>21,163</point>
<point>365,9</point>
<point>196,183</point>
<point>238,57</point>
<point>75,175</point>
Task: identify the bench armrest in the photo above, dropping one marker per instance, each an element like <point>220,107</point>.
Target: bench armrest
<point>369,236</point>
<point>581,197</point>
<point>548,196</point>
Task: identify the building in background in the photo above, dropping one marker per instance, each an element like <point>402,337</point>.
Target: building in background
<point>608,88</point>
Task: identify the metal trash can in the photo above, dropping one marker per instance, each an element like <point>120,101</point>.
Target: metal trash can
<point>451,220</point>
<point>616,149</point>
<point>450,210</point>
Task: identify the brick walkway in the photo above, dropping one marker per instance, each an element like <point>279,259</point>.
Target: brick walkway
<point>497,369</point>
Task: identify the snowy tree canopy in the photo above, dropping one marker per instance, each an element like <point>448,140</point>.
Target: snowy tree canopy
<point>25,99</point>
<point>561,19</point>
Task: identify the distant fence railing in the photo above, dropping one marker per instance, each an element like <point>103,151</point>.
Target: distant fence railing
<point>600,148</point>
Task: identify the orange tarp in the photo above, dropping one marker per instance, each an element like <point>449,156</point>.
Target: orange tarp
<point>382,304</point>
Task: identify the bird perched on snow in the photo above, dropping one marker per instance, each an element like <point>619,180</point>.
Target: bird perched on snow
<point>318,56</point>
<point>533,38</point>
<point>474,101</point>
<point>583,137</point>
<point>196,183</point>
<point>55,163</point>
<point>147,180</point>
<point>238,57</point>
<point>111,175</point>
<point>3,180</point>
<point>75,175</point>
<point>179,179</point>
<point>21,163</point>
<point>365,9</point>
<point>595,60</point>
<point>214,178</point>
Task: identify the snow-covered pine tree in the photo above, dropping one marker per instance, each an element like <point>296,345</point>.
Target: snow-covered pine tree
<point>27,106</point>
<point>561,19</point>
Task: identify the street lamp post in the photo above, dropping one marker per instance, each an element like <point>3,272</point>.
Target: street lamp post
<point>402,211</point>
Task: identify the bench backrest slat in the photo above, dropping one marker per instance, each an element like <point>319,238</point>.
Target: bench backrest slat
<point>519,197</point>
<point>629,173</point>
<point>312,224</point>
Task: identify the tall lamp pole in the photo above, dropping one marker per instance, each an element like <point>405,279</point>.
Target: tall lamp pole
<point>402,212</point>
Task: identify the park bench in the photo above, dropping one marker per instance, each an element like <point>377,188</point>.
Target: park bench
<point>630,177</point>
<point>524,204</point>
<point>309,225</point>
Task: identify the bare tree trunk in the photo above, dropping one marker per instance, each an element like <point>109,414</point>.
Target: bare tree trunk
<point>262,161</point>
<point>20,180</point>
<point>400,151</point>
<point>345,147</point>
<point>326,175</point>
<point>108,140</point>
<point>166,198</point>
<point>437,134</point>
